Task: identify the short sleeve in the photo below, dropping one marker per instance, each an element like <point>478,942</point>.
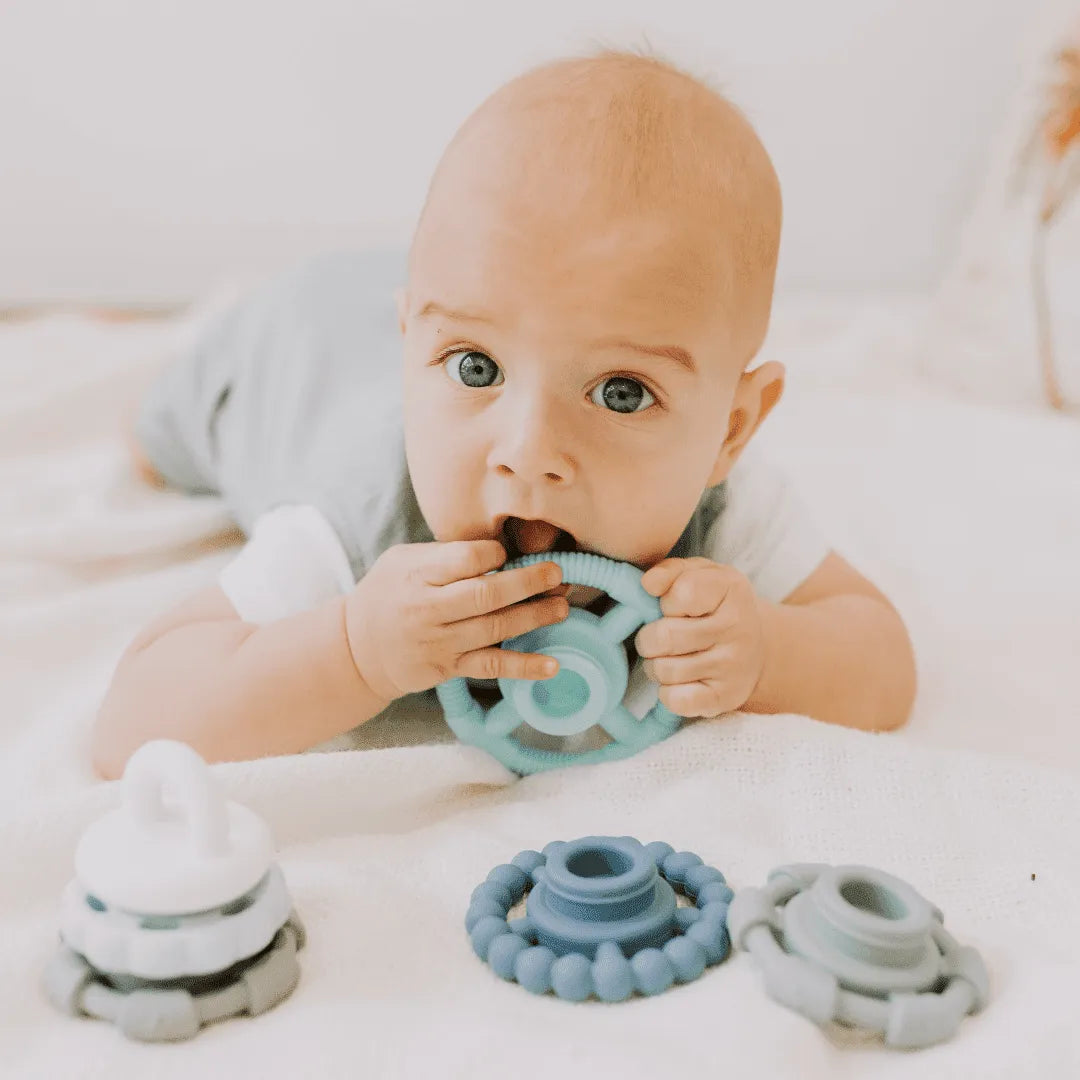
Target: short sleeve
<point>292,562</point>
<point>766,530</point>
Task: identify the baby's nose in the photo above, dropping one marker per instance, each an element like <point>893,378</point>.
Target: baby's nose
<point>533,447</point>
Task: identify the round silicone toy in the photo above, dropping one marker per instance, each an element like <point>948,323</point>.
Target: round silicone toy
<point>856,945</point>
<point>590,685</point>
<point>177,914</point>
<point>601,918</point>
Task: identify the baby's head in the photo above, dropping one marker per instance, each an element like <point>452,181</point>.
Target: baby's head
<point>590,278</point>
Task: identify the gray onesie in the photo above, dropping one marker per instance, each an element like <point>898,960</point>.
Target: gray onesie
<point>291,398</point>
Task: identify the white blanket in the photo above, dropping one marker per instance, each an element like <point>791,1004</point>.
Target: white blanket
<point>968,517</point>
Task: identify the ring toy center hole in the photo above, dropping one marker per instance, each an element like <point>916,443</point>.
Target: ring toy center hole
<point>564,694</point>
<point>598,862</point>
<point>873,898</point>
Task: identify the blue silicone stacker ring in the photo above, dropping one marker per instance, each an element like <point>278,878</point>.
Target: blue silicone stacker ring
<point>601,918</point>
<point>589,688</point>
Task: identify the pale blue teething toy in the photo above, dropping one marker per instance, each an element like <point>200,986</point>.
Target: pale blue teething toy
<point>177,914</point>
<point>858,946</point>
<point>601,918</point>
<point>590,685</point>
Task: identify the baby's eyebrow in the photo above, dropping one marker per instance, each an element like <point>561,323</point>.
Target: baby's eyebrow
<point>675,353</point>
<point>433,307</point>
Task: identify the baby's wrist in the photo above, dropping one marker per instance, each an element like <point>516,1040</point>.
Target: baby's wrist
<point>763,697</point>
<point>368,685</point>
<point>330,697</point>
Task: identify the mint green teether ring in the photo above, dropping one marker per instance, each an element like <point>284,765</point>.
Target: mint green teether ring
<point>589,688</point>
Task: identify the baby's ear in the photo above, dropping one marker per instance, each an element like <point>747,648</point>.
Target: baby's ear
<point>758,392</point>
<point>401,299</point>
<point>768,381</point>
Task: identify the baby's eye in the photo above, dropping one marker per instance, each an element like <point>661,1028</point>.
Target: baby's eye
<point>474,369</point>
<point>622,393</point>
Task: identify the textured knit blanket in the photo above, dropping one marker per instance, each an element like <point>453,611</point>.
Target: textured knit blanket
<point>967,517</point>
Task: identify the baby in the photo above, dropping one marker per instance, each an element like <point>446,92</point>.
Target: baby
<point>588,284</point>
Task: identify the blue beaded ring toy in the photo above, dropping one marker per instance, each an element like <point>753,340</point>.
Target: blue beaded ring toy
<point>589,687</point>
<point>601,918</point>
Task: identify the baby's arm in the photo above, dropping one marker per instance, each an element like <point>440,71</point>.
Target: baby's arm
<point>837,650</point>
<point>231,689</point>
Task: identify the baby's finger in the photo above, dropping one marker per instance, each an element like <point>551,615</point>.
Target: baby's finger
<point>457,560</point>
<point>487,593</point>
<point>712,663</point>
<point>659,577</point>
<point>675,635</point>
<point>508,622</point>
<point>694,699</point>
<point>700,590</point>
<point>491,663</point>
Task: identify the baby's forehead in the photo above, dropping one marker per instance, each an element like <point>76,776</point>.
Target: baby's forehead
<point>591,270</point>
<point>641,322</point>
<point>584,159</point>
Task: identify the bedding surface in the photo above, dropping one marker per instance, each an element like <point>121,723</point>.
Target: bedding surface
<point>967,516</point>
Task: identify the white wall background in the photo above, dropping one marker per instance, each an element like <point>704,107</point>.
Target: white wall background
<point>148,148</point>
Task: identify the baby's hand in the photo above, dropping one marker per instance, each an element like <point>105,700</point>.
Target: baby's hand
<point>707,652</point>
<point>425,613</point>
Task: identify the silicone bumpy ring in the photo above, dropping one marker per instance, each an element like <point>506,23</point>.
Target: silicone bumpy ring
<point>176,1009</point>
<point>601,918</point>
<point>858,946</point>
<point>589,687</point>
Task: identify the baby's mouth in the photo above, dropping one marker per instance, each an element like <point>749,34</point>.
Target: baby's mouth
<point>528,537</point>
<point>521,537</point>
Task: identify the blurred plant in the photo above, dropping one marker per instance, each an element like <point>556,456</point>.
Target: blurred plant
<point>1058,137</point>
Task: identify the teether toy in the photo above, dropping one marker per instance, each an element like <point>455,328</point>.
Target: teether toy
<point>861,947</point>
<point>589,687</point>
<point>177,914</point>
<point>601,918</point>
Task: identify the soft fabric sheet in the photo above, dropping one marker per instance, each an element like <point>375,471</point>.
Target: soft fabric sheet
<point>968,517</point>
